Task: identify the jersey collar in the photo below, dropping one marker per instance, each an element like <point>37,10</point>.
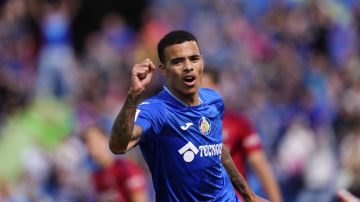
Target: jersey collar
<point>178,100</point>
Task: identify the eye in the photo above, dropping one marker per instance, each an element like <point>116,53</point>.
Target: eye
<point>195,58</point>
<point>176,62</point>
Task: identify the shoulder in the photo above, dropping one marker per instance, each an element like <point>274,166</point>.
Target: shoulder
<point>152,108</point>
<point>209,95</point>
<point>238,118</point>
<point>129,168</point>
<point>153,103</point>
<point>126,164</point>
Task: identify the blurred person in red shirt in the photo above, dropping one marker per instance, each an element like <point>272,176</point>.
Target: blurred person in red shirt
<point>243,142</point>
<point>114,180</point>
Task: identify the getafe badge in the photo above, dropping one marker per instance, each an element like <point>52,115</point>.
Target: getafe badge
<point>204,125</point>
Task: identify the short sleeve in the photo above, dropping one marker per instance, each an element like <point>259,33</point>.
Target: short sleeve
<point>251,140</point>
<point>150,117</point>
<point>213,97</point>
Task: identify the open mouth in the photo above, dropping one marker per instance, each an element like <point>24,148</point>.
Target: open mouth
<point>189,80</point>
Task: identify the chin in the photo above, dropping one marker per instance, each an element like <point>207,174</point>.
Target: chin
<point>192,90</point>
<point>186,90</point>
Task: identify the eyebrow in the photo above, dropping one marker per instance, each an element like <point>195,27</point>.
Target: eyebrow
<point>182,58</point>
<point>178,58</point>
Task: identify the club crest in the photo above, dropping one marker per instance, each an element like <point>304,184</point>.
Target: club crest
<point>204,125</point>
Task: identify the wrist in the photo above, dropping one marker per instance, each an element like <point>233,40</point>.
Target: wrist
<point>133,95</point>
<point>249,196</point>
<point>253,196</point>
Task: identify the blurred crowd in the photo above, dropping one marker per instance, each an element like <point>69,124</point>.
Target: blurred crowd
<point>291,66</point>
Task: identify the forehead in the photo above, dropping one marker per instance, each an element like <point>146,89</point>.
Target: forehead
<point>185,49</point>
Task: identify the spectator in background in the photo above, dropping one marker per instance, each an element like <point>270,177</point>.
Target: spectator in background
<point>243,142</point>
<point>346,196</point>
<point>350,158</point>
<point>57,63</point>
<point>116,180</point>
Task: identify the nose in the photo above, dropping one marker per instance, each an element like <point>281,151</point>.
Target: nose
<point>188,66</point>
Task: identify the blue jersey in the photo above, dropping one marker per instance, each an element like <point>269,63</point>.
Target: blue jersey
<point>182,147</point>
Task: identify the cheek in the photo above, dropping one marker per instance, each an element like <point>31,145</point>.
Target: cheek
<point>200,78</point>
<point>200,73</point>
<point>175,74</point>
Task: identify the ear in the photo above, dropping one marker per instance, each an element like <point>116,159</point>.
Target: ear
<point>203,62</point>
<point>163,69</point>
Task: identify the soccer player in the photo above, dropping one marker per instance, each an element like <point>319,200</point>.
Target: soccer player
<point>180,129</point>
<point>117,180</point>
<point>243,142</point>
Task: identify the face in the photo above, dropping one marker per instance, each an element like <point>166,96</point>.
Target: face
<point>183,69</point>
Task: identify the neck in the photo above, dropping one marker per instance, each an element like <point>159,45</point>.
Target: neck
<point>187,99</point>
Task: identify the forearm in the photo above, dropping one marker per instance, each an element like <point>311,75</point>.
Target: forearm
<point>236,178</point>
<point>121,132</point>
<point>139,196</point>
<point>263,170</point>
<point>271,187</point>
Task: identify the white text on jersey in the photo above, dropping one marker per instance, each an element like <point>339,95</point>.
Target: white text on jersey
<point>210,150</point>
<point>189,151</point>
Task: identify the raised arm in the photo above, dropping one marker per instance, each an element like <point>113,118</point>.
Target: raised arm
<point>237,179</point>
<point>124,135</point>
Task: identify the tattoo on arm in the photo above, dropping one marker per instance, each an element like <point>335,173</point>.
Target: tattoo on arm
<point>236,178</point>
<point>121,132</point>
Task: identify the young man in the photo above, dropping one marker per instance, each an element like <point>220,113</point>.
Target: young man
<point>117,180</point>
<point>179,130</point>
<point>243,142</point>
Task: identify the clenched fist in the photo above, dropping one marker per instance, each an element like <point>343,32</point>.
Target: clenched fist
<point>141,75</point>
